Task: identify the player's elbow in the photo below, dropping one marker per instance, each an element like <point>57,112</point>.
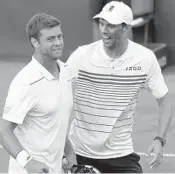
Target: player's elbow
<point>165,106</point>
<point>164,101</point>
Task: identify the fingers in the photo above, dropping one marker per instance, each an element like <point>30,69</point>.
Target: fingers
<point>156,165</point>
<point>150,149</point>
<point>156,161</point>
<point>45,170</point>
<point>65,165</point>
<point>157,151</point>
<point>35,166</point>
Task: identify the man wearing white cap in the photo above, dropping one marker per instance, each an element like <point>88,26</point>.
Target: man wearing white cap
<point>109,74</point>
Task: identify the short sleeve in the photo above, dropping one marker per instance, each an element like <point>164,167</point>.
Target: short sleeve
<point>19,102</point>
<point>155,81</point>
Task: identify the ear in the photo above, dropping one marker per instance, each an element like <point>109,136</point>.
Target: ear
<point>126,28</point>
<point>34,42</point>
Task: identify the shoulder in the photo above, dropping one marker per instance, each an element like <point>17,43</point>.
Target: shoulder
<point>80,57</point>
<point>142,53</point>
<point>82,52</point>
<point>90,48</point>
<point>27,76</point>
<point>140,48</point>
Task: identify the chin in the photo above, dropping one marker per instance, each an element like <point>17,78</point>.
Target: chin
<point>109,46</point>
<point>56,58</point>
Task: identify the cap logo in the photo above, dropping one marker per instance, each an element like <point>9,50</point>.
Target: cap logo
<point>111,8</point>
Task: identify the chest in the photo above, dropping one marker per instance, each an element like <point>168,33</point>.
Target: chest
<point>117,82</point>
<point>47,97</point>
<point>50,97</point>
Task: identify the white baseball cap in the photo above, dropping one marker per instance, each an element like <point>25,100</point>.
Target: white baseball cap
<point>115,13</point>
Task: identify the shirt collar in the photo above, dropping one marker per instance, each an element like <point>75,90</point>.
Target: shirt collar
<point>44,71</point>
<point>101,59</point>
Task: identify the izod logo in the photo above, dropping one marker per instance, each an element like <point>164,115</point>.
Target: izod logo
<point>134,68</point>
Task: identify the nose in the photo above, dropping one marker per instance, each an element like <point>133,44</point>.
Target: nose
<point>58,41</point>
<point>103,29</point>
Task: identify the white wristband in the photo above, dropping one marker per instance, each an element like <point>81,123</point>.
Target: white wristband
<point>23,158</point>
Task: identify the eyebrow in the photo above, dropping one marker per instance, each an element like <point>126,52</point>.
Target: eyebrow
<point>50,37</point>
<point>104,22</point>
<point>55,36</point>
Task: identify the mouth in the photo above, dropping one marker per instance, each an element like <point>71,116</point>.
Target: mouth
<point>57,50</point>
<point>107,40</point>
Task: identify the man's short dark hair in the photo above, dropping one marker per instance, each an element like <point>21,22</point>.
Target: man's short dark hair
<point>38,22</point>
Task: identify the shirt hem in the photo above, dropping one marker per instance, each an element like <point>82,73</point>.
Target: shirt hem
<point>104,156</point>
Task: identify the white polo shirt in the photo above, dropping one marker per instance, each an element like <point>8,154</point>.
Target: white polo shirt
<point>41,105</point>
<point>105,97</point>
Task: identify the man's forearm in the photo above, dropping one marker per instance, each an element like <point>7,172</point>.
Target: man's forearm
<point>10,143</point>
<point>165,116</point>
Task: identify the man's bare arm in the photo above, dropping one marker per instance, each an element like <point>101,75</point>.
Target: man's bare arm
<point>8,138</point>
<point>164,121</point>
<point>13,147</point>
<point>165,116</point>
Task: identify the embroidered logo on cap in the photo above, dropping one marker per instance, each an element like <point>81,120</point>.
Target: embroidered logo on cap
<point>111,8</point>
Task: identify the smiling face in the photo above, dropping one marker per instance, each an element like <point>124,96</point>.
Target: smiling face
<point>112,35</point>
<point>50,42</point>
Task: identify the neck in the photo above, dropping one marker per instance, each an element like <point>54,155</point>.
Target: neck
<point>49,64</point>
<point>115,53</point>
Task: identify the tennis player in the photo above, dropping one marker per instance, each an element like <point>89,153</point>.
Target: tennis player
<point>35,119</point>
<point>109,74</point>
